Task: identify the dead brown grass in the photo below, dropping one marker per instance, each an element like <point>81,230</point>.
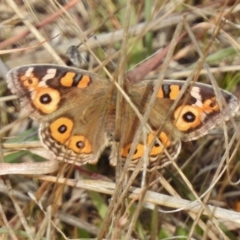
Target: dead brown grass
<point>196,198</point>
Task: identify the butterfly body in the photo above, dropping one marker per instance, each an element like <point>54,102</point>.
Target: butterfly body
<point>77,112</point>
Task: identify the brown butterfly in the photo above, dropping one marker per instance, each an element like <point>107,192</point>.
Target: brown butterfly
<point>77,112</point>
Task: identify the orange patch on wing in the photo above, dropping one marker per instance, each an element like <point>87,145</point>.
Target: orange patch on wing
<point>68,79</point>
<point>210,105</point>
<point>183,125</point>
<point>54,97</point>
<point>138,152</point>
<point>84,81</point>
<point>160,93</point>
<point>55,129</point>
<point>29,82</point>
<point>79,144</point>
<point>175,89</point>
<point>158,149</point>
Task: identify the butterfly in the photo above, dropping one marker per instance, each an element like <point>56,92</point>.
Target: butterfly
<point>77,114</point>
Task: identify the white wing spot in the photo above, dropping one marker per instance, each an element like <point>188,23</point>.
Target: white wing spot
<point>29,71</point>
<point>195,93</point>
<point>50,74</point>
